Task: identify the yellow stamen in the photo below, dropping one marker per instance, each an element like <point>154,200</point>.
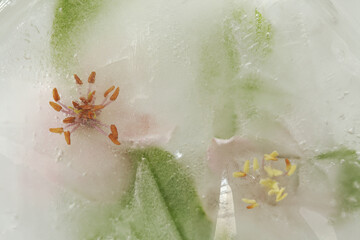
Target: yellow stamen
<point>272,156</point>
<point>280,192</point>
<point>288,164</point>
<point>246,167</point>
<point>272,172</point>
<point>252,206</point>
<point>292,170</point>
<point>252,203</point>
<point>249,201</point>
<point>272,192</point>
<point>75,110</point>
<point>239,174</point>
<point>270,183</point>
<point>255,164</point>
<point>280,196</point>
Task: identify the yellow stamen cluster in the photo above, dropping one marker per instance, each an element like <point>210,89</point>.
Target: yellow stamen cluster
<point>269,182</point>
<point>255,164</point>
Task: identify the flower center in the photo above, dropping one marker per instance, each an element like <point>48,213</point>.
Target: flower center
<point>268,177</point>
<point>85,111</point>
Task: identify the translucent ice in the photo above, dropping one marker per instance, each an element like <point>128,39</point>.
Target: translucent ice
<point>204,87</point>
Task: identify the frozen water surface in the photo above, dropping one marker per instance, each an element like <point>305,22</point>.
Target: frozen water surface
<point>204,87</point>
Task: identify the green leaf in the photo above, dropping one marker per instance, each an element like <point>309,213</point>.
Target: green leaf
<point>71,19</point>
<point>343,153</point>
<point>245,34</point>
<point>231,90</point>
<point>162,202</point>
<point>348,189</point>
<point>263,34</point>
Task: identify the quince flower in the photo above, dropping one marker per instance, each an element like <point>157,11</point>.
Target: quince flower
<point>93,167</point>
<point>276,192</point>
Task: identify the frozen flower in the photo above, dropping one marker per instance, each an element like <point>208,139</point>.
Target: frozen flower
<point>93,167</point>
<point>274,189</point>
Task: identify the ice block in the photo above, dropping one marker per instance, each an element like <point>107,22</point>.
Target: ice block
<point>188,120</point>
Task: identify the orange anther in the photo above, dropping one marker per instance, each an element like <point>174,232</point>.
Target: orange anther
<point>69,120</point>
<point>98,107</point>
<point>288,164</point>
<point>109,91</point>
<point>91,95</point>
<point>90,98</point>
<point>56,95</point>
<point>115,94</point>
<point>251,206</point>
<point>67,137</point>
<point>56,130</point>
<point>55,106</point>
<point>77,79</point>
<point>91,78</point>
<point>86,107</point>
<point>113,139</point>
<point>91,115</point>
<point>114,131</point>
<point>82,114</point>
<point>75,104</point>
<point>84,100</point>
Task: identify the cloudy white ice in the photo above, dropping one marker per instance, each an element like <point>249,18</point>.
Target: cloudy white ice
<point>215,82</point>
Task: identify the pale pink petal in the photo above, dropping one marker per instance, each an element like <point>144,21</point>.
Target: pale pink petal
<point>142,129</point>
<point>92,166</point>
<point>222,153</point>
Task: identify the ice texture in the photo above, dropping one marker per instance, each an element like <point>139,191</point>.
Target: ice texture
<point>205,86</point>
